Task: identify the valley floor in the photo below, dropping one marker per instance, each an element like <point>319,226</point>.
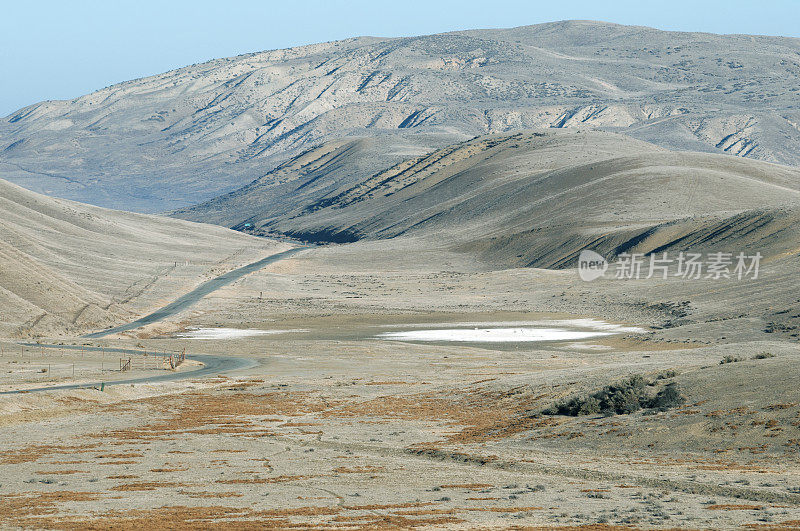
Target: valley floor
<point>331,427</point>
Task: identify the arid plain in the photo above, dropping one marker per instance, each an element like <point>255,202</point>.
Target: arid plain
<point>332,426</point>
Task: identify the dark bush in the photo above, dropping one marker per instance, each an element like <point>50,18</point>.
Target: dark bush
<point>666,375</point>
<point>667,398</point>
<point>590,406</point>
<point>624,397</point>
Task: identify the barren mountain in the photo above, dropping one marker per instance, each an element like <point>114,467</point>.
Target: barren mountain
<point>68,267</point>
<point>530,198</point>
<point>188,135</point>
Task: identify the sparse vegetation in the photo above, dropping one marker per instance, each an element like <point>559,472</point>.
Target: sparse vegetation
<point>730,359</point>
<point>668,397</point>
<point>763,355</point>
<point>624,397</point>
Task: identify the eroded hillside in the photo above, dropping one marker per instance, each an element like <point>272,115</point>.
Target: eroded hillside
<point>532,198</point>
<point>186,136</point>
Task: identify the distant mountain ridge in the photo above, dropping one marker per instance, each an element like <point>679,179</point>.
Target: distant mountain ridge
<point>189,135</point>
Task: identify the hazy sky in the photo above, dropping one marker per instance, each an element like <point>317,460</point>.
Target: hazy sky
<point>63,49</point>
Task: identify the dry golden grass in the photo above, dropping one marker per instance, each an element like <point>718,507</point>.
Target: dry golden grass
<point>475,414</point>
<point>734,507</point>
<point>503,509</point>
<point>24,508</point>
<point>383,507</point>
<point>484,414</point>
<point>235,414</point>
<point>787,524</point>
<point>34,452</point>
<point>468,486</point>
<point>204,494</point>
<point>426,512</point>
<point>147,485</point>
<point>61,472</point>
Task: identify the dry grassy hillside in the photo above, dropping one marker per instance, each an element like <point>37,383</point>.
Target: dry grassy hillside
<point>532,198</point>
<point>67,267</point>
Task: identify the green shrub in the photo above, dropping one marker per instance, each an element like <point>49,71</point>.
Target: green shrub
<point>590,406</point>
<point>621,398</point>
<point>668,397</point>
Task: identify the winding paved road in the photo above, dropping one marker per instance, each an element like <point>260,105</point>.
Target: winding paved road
<point>188,300</point>
<point>211,364</point>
